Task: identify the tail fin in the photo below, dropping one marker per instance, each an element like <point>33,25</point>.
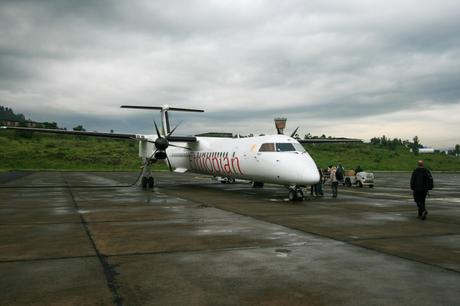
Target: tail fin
<point>164,113</point>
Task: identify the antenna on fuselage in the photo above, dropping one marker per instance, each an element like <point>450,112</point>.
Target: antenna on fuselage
<point>165,127</point>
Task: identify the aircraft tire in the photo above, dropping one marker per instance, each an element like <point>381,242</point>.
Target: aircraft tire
<point>299,195</point>
<point>144,183</point>
<point>295,195</point>
<point>231,181</point>
<point>150,182</point>
<point>292,195</point>
<point>257,184</point>
<point>348,182</point>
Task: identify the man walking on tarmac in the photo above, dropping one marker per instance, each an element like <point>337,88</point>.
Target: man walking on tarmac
<point>420,182</point>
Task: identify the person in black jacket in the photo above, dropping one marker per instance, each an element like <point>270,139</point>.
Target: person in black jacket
<point>420,182</point>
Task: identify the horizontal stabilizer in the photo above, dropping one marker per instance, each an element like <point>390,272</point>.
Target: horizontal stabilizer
<point>166,108</point>
<point>80,133</point>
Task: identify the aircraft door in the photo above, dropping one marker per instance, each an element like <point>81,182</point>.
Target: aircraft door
<point>265,158</point>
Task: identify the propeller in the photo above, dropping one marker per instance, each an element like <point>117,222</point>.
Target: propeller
<point>162,143</point>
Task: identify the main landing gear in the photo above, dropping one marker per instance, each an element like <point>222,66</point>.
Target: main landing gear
<point>295,193</point>
<point>257,184</point>
<point>147,180</point>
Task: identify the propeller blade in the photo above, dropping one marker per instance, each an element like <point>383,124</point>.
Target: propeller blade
<point>295,131</point>
<point>172,131</point>
<point>156,128</point>
<point>172,145</point>
<point>153,154</point>
<point>169,163</point>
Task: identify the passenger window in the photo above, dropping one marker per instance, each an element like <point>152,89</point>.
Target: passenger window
<point>284,147</point>
<point>267,147</point>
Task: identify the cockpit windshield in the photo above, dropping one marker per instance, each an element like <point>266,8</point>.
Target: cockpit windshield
<point>299,148</point>
<point>284,147</point>
<point>281,147</point>
<point>267,147</point>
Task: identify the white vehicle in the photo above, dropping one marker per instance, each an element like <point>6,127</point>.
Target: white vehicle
<point>276,159</point>
<point>359,179</point>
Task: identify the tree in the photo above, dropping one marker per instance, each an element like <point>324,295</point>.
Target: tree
<point>384,141</point>
<point>415,145</point>
<point>457,149</point>
<point>8,114</point>
<point>79,128</point>
<point>50,125</point>
<point>375,141</point>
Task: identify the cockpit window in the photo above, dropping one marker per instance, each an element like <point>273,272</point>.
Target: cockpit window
<point>298,147</point>
<point>281,147</point>
<point>267,147</point>
<point>284,147</point>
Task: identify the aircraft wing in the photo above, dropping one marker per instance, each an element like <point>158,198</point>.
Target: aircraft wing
<point>81,133</point>
<point>330,140</point>
<point>181,139</point>
<point>98,134</point>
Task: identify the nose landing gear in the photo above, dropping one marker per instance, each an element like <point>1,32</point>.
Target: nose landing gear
<point>147,180</point>
<point>295,194</point>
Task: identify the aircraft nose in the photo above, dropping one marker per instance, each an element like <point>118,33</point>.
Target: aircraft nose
<point>309,174</point>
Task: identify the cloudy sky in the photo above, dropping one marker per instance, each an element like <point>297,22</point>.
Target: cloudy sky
<point>343,68</point>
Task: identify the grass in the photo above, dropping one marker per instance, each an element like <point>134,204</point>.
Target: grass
<point>25,151</point>
<point>371,157</point>
<point>65,152</point>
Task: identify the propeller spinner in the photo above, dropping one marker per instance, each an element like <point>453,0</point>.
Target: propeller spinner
<point>161,144</point>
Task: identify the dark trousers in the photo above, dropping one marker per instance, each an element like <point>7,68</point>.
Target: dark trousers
<point>319,189</point>
<point>419,198</point>
<point>334,189</point>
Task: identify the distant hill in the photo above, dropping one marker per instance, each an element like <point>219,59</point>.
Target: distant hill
<point>8,114</point>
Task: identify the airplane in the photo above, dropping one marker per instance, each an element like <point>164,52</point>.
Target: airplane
<point>276,159</point>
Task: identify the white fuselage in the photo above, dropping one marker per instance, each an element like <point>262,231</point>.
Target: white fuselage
<point>277,159</point>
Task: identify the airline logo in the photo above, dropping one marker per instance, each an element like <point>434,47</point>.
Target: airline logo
<point>215,162</point>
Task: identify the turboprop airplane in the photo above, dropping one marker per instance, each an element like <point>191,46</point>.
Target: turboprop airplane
<point>276,159</point>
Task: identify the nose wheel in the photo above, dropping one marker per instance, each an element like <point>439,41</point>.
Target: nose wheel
<point>295,194</point>
<point>147,183</point>
<point>147,180</point>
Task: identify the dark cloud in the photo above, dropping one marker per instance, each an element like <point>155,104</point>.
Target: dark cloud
<point>242,61</point>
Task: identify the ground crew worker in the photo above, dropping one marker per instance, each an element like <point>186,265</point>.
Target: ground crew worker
<point>317,188</point>
<point>334,182</point>
<point>319,185</point>
<point>421,181</point>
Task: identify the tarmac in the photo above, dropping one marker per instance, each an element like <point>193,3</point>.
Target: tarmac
<point>78,238</point>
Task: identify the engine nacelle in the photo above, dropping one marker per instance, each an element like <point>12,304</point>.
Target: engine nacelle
<point>160,155</point>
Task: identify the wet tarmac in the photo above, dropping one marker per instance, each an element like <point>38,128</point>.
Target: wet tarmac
<point>194,241</point>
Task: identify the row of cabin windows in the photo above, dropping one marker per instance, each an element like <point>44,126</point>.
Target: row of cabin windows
<point>281,147</point>
<point>212,154</point>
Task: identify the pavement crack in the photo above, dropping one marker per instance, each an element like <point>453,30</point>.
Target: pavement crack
<point>109,270</point>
